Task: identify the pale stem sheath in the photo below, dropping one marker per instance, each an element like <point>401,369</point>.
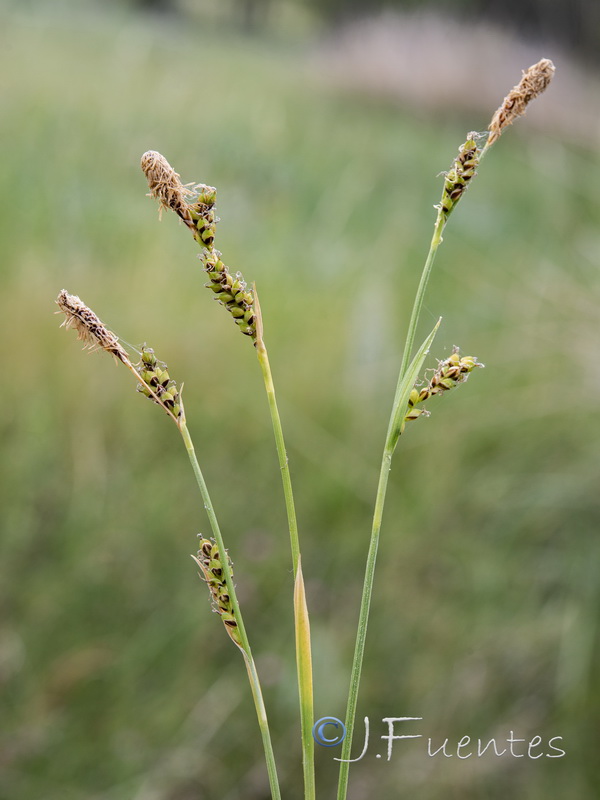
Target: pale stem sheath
<point>305,682</point>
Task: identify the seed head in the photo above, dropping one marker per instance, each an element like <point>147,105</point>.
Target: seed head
<point>89,327</point>
<point>153,375</point>
<point>165,185</point>
<point>463,169</point>
<point>449,373</point>
<point>210,562</point>
<point>156,383</point>
<point>195,204</point>
<point>535,80</point>
<point>231,291</point>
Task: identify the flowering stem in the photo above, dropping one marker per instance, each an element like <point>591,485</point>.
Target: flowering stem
<point>245,648</point>
<point>303,658</point>
<point>455,185</point>
<point>405,383</point>
<point>456,181</point>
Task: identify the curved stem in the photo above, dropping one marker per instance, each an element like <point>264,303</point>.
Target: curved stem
<point>261,712</point>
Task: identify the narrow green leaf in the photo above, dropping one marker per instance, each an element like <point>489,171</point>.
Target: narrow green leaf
<point>404,388</point>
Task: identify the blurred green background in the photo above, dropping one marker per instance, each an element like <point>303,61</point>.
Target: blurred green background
<point>116,680</point>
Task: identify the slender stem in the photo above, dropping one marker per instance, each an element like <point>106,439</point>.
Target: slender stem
<point>263,359</point>
<point>304,686</point>
<point>436,240</point>
<point>261,712</point>
<point>361,636</point>
<point>386,462</point>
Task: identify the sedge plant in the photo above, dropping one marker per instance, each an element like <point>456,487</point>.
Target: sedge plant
<point>213,559</point>
<point>456,181</point>
<point>194,204</point>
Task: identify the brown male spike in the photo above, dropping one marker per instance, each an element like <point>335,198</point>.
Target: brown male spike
<point>535,80</point>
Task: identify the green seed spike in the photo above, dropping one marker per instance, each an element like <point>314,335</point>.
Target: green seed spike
<point>209,561</point>
<point>460,173</point>
<point>449,373</point>
<point>231,291</point>
<point>157,385</point>
<point>204,217</point>
<point>195,206</point>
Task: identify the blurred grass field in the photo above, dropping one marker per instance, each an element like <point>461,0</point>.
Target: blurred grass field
<point>116,680</point>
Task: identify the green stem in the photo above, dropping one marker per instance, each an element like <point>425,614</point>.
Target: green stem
<point>304,686</point>
<point>261,712</point>
<point>436,240</point>
<point>363,620</point>
<point>290,508</point>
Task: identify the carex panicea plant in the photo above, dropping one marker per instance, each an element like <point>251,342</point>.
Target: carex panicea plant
<point>194,204</point>
<point>196,207</point>
<point>154,381</point>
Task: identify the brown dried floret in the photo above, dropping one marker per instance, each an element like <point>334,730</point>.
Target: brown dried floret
<point>90,329</point>
<point>165,185</point>
<point>534,81</point>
